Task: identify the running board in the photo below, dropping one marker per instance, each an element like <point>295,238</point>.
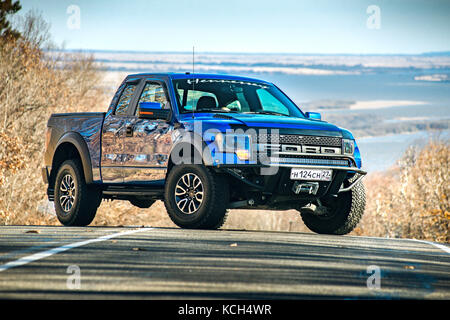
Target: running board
<point>132,191</point>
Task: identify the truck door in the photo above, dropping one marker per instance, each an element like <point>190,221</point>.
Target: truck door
<point>147,142</point>
<point>114,132</point>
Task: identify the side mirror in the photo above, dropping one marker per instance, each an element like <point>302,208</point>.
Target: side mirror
<point>152,110</point>
<point>313,115</point>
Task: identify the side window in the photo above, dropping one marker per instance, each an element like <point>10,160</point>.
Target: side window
<point>270,103</point>
<point>125,99</point>
<point>154,92</point>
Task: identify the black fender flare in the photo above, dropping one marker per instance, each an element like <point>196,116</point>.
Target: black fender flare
<point>79,143</point>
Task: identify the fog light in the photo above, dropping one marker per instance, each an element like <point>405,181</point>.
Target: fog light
<point>348,146</point>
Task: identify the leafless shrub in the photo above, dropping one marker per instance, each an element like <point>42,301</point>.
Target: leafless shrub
<point>34,84</point>
<point>412,201</point>
<point>34,29</point>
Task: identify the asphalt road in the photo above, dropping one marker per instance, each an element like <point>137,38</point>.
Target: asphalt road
<point>135,263</point>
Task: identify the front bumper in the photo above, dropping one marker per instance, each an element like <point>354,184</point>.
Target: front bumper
<point>274,179</point>
<point>347,170</point>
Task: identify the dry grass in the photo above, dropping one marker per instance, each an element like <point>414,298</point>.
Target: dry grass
<point>32,86</point>
<point>411,200</point>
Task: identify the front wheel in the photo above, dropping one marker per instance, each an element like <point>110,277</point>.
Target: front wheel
<point>339,216</point>
<point>195,197</point>
<point>75,202</point>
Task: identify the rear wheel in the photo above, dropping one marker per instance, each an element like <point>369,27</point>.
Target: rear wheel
<point>76,202</point>
<point>339,216</point>
<point>196,197</point>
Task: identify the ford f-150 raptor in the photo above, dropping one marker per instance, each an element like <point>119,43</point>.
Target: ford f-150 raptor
<point>204,144</point>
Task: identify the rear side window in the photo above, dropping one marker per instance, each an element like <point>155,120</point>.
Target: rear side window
<point>125,99</point>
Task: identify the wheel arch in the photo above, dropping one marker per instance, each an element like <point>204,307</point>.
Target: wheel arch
<point>72,146</point>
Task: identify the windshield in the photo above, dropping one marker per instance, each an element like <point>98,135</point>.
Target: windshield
<point>232,96</point>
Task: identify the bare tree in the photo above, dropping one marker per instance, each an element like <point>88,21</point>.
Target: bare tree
<point>7,8</point>
<point>34,29</point>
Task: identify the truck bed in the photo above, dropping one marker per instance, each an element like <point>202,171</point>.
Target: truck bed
<point>88,125</point>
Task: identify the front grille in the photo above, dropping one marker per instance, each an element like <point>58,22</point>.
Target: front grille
<point>300,140</point>
<point>323,161</point>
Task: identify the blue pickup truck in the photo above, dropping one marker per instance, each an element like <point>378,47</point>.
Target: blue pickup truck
<point>204,144</point>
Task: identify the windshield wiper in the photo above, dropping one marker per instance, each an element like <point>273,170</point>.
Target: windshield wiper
<point>268,112</point>
<point>217,111</point>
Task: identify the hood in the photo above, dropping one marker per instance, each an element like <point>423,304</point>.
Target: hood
<point>286,125</point>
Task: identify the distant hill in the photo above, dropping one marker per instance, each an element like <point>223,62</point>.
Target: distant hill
<point>436,54</point>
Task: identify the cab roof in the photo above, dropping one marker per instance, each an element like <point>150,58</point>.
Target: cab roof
<point>187,75</point>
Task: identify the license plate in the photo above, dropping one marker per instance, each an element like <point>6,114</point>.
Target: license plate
<point>311,174</point>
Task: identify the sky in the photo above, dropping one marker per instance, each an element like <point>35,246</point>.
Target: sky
<point>249,26</point>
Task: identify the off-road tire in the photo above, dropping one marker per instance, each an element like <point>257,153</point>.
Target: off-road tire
<point>345,213</point>
<point>211,213</point>
<point>86,198</point>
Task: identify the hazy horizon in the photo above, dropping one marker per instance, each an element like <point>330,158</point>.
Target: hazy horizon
<point>425,53</point>
<point>251,26</point>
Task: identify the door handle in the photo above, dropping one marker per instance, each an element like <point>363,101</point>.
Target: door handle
<point>129,131</point>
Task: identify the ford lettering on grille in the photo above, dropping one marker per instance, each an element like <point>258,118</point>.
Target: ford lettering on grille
<point>298,149</point>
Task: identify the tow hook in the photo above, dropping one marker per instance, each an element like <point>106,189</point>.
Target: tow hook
<point>305,187</point>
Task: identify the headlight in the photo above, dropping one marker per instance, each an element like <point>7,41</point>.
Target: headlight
<point>348,146</point>
<point>240,144</point>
